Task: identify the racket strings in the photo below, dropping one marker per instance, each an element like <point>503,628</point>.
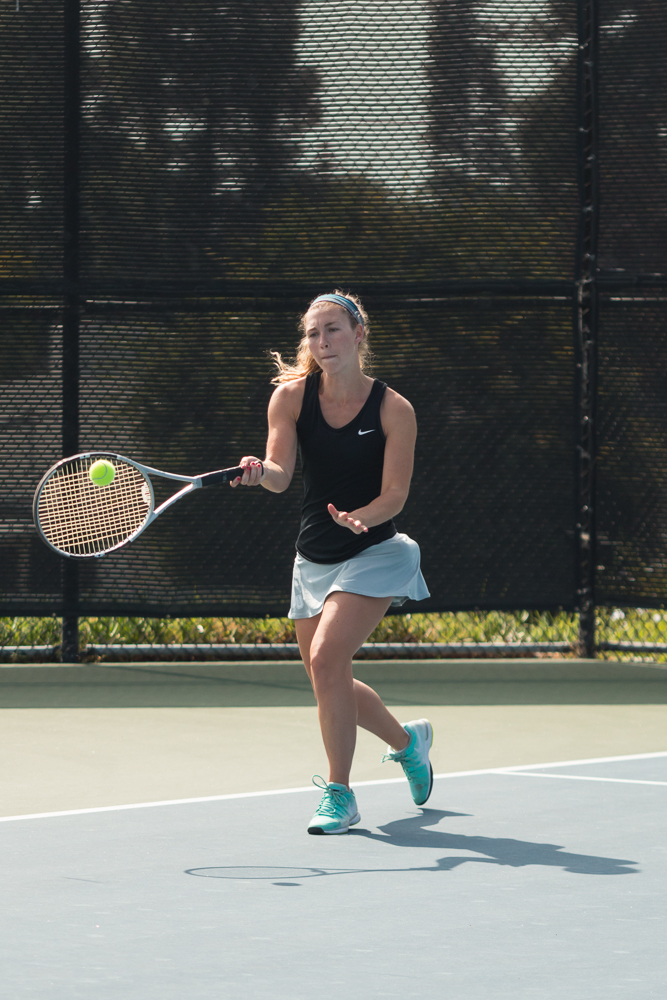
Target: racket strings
<point>81,518</point>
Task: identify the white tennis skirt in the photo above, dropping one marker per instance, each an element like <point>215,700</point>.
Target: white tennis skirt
<point>388,569</point>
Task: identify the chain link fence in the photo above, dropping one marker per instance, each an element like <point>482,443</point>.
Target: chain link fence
<point>633,634</point>
<point>180,179</point>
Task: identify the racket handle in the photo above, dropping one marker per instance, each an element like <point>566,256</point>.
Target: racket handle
<point>223,476</point>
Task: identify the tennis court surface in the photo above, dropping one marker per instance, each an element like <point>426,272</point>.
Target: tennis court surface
<point>544,880</point>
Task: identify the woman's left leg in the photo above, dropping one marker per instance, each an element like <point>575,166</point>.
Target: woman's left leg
<point>327,647</point>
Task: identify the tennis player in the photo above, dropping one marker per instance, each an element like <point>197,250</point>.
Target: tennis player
<point>356,437</point>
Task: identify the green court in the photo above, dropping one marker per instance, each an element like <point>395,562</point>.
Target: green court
<point>88,736</point>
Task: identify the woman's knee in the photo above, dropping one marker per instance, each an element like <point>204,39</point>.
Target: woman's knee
<point>328,670</point>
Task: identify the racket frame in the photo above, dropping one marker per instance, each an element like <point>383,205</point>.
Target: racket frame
<point>192,483</point>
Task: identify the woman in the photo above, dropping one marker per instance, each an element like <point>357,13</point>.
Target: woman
<point>357,439</point>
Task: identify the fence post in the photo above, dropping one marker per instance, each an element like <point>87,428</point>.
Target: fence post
<point>586,316</point>
<point>71,296</point>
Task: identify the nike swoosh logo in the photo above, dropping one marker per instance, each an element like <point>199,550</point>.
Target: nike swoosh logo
<point>366,432</point>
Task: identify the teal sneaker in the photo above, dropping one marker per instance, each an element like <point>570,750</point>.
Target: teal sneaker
<point>337,811</point>
<point>414,759</point>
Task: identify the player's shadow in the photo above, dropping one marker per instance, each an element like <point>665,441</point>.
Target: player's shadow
<point>415,831</point>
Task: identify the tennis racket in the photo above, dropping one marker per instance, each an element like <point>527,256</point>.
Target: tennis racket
<point>76,517</point>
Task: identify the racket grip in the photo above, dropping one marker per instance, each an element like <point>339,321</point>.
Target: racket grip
<point>223,476</point>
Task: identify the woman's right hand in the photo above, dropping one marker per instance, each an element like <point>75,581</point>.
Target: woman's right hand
<point>254,472</point>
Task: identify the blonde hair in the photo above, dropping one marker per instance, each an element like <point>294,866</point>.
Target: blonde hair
<point>304,363</point>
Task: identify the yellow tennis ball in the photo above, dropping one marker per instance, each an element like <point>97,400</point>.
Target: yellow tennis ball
<point>102,472</point>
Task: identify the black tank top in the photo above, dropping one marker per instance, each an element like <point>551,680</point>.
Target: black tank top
<point>342,466</point>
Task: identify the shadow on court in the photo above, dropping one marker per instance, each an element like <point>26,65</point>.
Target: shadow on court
<point>413,832</point>
<point>192,900</point>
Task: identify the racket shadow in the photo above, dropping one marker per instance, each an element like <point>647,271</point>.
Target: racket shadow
<point>415,832</point>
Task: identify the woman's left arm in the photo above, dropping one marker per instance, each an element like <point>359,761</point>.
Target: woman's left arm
<point>400,427</point>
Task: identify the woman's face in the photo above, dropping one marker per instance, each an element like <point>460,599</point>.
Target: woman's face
<point>332,339</point>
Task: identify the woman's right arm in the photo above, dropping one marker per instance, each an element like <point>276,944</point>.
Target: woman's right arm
<point>281,445</point>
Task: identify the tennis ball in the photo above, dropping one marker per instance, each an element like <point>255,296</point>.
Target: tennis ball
<point>102,472</point>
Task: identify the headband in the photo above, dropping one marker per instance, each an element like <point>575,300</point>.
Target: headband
<point>340,300</point>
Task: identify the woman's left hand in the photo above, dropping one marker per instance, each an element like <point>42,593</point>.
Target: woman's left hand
<point>343,518</point>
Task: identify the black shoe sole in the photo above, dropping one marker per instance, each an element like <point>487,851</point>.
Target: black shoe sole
<point>430,788</point>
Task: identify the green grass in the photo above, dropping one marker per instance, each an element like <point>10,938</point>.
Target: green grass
<point>613,625</point>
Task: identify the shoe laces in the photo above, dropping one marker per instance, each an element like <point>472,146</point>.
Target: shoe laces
<point>406,756</point>
<point>332,800</point>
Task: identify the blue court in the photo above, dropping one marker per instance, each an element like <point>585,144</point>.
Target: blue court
<point>548,881</point>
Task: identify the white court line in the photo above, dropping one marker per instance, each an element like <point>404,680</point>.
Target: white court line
<point>586,760</point>
<point>585,777</point>
<point>517,768</point>
<point>151,805</point>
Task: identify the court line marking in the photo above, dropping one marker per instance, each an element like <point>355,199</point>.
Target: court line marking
<point>586,777</point>
<point>515,769</point>
<point>585,760</point>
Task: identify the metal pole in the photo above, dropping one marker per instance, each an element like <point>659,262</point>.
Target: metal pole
<point>586,317</point>
<point>71,296</point>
